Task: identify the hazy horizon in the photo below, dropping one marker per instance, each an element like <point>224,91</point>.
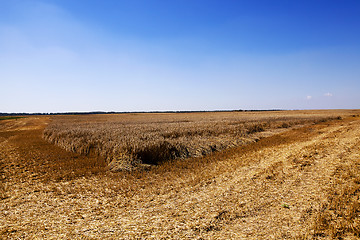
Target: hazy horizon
<point>131,56</point>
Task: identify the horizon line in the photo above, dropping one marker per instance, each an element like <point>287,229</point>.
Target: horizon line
<point>166,111</point>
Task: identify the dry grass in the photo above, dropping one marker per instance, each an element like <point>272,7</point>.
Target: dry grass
<point>130,140</point>
<point>299,184</point>
<point>339,215</point>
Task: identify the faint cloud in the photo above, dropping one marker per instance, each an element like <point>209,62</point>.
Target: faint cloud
<point>308,97</point>
<point>328,94</point>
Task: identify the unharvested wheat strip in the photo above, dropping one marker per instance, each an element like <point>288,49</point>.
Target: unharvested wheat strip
<point>129,141</point>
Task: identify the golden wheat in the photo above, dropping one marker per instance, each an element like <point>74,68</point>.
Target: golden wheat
<point>129,140</point>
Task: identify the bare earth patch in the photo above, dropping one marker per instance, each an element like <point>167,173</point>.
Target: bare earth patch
<point>302,183</point>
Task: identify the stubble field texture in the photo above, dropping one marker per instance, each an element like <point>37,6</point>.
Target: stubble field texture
<point>222,175</point>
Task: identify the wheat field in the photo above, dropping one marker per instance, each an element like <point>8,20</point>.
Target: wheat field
<point>127,141</point>
<point>296,178</point>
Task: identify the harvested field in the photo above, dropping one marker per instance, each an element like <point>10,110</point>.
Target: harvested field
<point>127,141</point>
<point>299,183</point>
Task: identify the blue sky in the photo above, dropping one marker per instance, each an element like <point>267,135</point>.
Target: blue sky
<point>65,55</point>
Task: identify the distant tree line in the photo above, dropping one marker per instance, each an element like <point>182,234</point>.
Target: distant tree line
<point>112,112</point>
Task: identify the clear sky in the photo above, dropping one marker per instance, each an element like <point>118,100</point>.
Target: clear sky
<point>157,55</point>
